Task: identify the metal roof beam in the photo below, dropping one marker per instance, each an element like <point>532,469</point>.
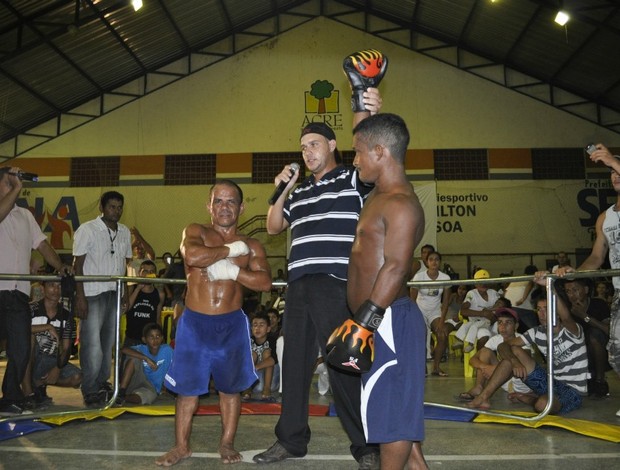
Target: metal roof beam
<point>114,33</point>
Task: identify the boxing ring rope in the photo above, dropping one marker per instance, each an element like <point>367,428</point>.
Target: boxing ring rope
<point>119,280</point>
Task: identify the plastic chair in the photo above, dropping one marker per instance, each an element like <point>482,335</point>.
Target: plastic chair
<point>452,339</point>
<point>167,315</point>
<point>468,371</point>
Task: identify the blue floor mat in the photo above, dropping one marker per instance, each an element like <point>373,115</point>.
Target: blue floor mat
<point>13,429</point>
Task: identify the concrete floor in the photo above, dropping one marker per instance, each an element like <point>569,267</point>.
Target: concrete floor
<point>133,441</point>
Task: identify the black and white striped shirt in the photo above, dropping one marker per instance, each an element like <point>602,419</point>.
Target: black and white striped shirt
<point>323,216</point>
<point>570,357</point>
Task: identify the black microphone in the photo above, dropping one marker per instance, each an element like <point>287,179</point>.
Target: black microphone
<point>22,175</point>
<point>280,188</point>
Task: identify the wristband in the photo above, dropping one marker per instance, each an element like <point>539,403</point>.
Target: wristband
<point>369,315</point>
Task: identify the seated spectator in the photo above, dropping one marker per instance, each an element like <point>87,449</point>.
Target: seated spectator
<point>501,302</point>
<point>36,287</point>
<point>264,359</point>
<point>167,258</point>
<point>278,291</point>
<point>604,291</point>
<point>274,322</point>
<point>146,366</point>
<point>485,360</point>
<point>520,295</point>
<point>594,317</point>
<point>569,356</point>
<point>501,287</point>
<point>433,302</point>
<point>144,306</point>
<point>53,335</point>
<point>478,310</point>
<point>320,369</point>
<point>420,265</point>
<point>453,318</point>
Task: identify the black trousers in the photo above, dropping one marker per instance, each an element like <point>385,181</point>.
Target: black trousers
<point>15,323</point>
<point>315,306</point>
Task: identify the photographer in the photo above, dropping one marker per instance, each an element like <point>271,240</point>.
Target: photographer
<point>19,235</point>
<point>607,234</point>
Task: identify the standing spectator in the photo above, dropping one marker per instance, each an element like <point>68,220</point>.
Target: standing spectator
<point>213,335</point>
<point>607,234</point>
<point>144,307</point>
<point>562,260</point>
<point>101,246</point>
<point>53,331</point>
<point>19,235</point>
<point>322,213</point>
<point>141,251</point>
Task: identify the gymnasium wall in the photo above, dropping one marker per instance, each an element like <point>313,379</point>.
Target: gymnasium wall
<point>258,100</point>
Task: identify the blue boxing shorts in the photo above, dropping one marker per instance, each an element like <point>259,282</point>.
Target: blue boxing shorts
<point>211,345</point>
<point>393,390</point>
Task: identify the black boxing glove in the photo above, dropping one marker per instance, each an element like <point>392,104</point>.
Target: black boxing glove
<point>351,346</point>
<point>364,69</point>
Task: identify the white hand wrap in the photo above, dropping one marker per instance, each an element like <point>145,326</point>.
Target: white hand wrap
<point>223,270</point>
<point>237,248</point>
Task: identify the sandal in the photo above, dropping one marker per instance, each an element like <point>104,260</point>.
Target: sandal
<point>465,396</point>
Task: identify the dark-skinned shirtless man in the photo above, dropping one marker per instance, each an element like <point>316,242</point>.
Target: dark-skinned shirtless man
<point>213,335</point>
<point>390,226</point>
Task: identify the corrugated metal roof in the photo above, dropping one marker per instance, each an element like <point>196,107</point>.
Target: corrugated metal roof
<point>56,55</point>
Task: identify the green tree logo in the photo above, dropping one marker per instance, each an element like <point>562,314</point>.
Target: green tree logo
<point>322,98</point>
<point>321,89</point>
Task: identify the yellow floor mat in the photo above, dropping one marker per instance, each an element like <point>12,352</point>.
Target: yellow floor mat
<point>607,432</point>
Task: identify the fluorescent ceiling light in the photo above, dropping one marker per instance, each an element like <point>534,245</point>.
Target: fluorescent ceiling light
<point>562,18</point>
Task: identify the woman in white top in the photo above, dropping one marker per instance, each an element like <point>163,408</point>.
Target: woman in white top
<point>433,302</point>
<point>520,295</point>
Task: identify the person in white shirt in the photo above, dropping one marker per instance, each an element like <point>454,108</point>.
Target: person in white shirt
<point>478,310</point>
<point>19,235</point>
<point>520,295</point>
<point>485,360</point>
<point>101,246</point>
<point>433,302</point>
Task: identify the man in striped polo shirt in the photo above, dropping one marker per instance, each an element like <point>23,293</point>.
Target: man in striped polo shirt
<point>322,213</point>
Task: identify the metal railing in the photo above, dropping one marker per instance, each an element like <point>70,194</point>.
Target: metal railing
<point>551,322</point>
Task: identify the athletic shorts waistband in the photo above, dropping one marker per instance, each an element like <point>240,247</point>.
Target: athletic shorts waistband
<point>212,317</point>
